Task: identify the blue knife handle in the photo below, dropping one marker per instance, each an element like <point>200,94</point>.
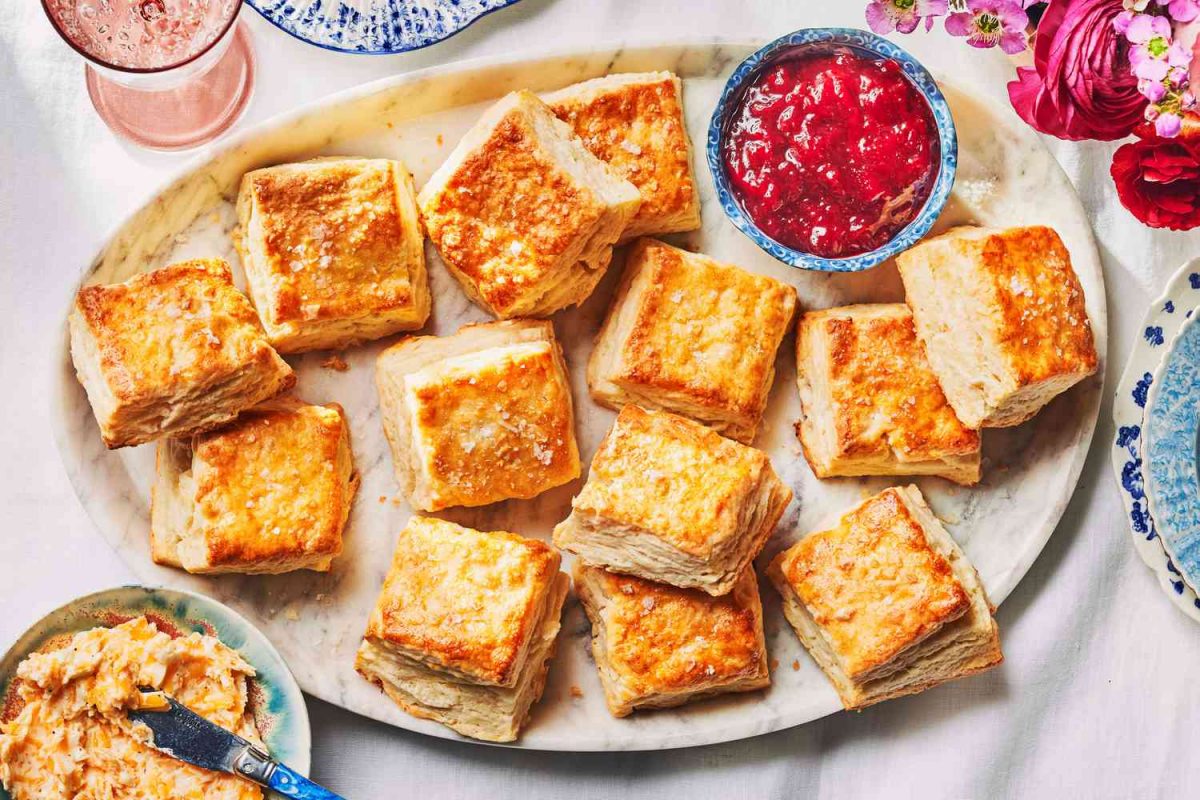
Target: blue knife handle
<point>289,783</point>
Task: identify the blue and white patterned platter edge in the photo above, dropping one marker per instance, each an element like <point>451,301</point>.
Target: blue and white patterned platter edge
<point>1162,324</point>
<point>278,705</point>
<point>374,27</point>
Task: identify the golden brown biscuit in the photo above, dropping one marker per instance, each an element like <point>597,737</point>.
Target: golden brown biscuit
<point>465,627</point>
<point>671,501</point>
<point>693,336</point>
<point>268,493</point>
<point>658,646</point>
<point>870,403</point>
<point>333,251</point>
<point>634,123</point>
<point>886,602</point>
<point>171,352</point>
<point>522,214</point>
<point>1003,319</point>
<point>480,416</point>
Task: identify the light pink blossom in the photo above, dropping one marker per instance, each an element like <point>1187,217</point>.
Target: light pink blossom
<point>987,23</point>
<point>1181,10</point>
<point>903,16</point>
<point>1168,125</point>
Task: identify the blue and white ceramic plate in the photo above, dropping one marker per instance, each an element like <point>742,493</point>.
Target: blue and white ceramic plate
<point>1135,392</point>
<point>275,699</point>
<point>871,46</point>
<point>1170,430</point>
<point>374,27</point>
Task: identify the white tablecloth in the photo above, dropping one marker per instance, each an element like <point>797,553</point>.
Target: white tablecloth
<point>1098,695</point>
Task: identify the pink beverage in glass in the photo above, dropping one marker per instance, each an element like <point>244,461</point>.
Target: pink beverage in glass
<point>166,74</point>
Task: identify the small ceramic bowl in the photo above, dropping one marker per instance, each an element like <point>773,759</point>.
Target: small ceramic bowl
<point>374,27</point>
<point>275,698</point>
<point>866,44</point>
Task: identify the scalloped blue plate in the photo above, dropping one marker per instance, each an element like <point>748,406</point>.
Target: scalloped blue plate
<point>870,45</point>
<point>374,27</point>
<point>1161,324</point>
<point>278,705</point>
<point>1172,428</point>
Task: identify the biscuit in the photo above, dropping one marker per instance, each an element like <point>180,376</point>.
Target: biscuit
<point>171,352</point>
<point>1003,319</point>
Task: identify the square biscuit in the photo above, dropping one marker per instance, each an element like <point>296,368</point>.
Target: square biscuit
<point>886,602</point>
<point>693,336</point>
<point>870,404</point>
<point>480,416</point>
<point>268,493</point>
<point>522,214</point>
<point>669,500</point>
<point>634,123</point>
<point>1003,319</point>
<point>658,646</point>
<point>333,251</point>
<point>465,627</point>
<point>171,352</point>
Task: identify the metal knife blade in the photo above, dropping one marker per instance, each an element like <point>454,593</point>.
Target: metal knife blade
<point>187,736</point>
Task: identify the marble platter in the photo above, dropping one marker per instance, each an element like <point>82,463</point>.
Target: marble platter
<point>316,619</point>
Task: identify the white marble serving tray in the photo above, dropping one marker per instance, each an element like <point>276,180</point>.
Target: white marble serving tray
<point>1005,177</point>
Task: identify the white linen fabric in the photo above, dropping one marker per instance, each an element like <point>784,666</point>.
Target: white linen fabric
<point>1097,697</point>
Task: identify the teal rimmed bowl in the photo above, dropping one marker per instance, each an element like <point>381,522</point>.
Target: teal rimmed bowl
<point>275,698</point>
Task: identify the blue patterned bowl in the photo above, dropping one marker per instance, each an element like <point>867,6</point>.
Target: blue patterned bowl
<point>275,699</point>
<point>374,27</point>
<point>867,44</point>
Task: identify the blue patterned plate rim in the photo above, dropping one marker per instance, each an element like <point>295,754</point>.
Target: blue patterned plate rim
<point>398,31</point>
<point>862,41</point>
<point>1162,320</point>
<point>279,706</point>
<point>1172,423</point>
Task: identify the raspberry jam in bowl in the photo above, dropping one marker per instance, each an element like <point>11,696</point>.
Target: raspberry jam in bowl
<point>832,149</point>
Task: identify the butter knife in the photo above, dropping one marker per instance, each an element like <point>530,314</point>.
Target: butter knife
<point>187,736</point>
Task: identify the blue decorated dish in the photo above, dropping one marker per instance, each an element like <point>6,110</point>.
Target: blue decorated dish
<point>374,27</point>
<point>275,699</point>
<point>863,44</point>
<point>1171,429</point>
<point>1162,324</point>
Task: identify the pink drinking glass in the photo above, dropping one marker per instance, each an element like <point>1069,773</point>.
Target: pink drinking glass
<point>164,74</point>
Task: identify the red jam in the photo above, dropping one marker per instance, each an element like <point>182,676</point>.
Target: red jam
<point>832,153</point>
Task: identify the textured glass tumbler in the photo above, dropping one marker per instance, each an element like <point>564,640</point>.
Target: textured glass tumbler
<point>164,74</point>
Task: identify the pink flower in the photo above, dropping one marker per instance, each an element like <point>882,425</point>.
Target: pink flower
<point>1152,90</point>
<point>1168,125</point>
<point>987,23</point>
<point>1080,85</point>
<point>885,16</point>
<point>1181,10</point>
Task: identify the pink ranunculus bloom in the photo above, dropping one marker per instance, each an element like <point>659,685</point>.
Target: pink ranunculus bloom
<point>987,23</point>
<point>1080,85</point>
<point>885,16</point>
